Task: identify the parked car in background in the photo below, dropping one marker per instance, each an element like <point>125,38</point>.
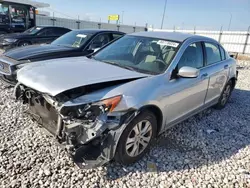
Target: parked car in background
<point>34,35</point>
<point>114,103</point>
<point>74,43</point>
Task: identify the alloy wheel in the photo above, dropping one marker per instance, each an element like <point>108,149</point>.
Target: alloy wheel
<point>139,138</point>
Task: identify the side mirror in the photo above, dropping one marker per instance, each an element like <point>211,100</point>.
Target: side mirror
<point>188,72</point>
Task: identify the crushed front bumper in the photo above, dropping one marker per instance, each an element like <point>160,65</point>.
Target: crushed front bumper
<point>89,144</point>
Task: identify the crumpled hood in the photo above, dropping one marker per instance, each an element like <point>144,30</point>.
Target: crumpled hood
<point>34,51</point>
<point>58,75</point>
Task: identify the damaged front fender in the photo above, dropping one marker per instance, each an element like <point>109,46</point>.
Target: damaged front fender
<point>103,148</point>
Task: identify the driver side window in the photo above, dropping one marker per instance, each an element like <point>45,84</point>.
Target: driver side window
<point>42,33</point>
<point>192,56</point>
<point>99,41</point>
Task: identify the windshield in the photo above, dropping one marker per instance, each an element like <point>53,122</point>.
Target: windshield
<point>142,54</point>
<point>74,39</point>
<point>33,30</point>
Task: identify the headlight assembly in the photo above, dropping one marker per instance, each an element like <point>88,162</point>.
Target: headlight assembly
<point>90,111</point>
<point>10,40</point>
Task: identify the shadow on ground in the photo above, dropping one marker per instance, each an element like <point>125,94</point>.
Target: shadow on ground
<point>207,138</point>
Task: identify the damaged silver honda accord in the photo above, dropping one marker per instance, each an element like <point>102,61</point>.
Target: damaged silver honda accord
<point>113,104</point>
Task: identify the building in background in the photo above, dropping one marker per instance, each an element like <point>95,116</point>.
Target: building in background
<point>18,15</point>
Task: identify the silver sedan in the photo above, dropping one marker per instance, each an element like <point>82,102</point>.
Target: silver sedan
<point>113,103</point>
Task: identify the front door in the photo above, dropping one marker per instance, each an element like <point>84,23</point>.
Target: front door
<point>188,93</point>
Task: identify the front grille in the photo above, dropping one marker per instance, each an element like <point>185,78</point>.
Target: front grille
<point>4,68</point>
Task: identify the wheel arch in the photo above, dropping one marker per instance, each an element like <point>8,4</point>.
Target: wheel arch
<point>233,80</point>
<point>158,114</point>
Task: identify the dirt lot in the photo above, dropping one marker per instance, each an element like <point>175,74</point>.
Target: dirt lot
<point>209,150</point>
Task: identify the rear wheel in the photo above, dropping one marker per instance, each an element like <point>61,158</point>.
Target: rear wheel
<point>225,95</point>
<point>136,139</point>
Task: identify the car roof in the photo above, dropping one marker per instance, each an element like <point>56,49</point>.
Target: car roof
<point>174,36</point>
<point>96,30</point>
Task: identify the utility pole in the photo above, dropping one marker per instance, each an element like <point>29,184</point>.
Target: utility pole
<point>163,16</point>
<point>229,25</point>
<point>122,16</point>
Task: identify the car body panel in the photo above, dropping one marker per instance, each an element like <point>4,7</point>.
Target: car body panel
<point>29,52</point>
<point>218,74</point>
<point>49,76</point>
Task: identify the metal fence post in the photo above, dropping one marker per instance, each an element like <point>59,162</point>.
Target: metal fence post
<point>78,23</point>
<point>220,35</point>
<point>246,42</point>
<point>53,19</point>
<point>118,27</point>
<point>134,28</point>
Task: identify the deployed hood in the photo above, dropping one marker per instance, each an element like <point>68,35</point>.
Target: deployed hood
<point>29,52</point>
<point>58,75</point>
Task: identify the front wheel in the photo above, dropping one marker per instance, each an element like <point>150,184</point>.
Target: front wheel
<point>136,138</point>
<point>225,95</point>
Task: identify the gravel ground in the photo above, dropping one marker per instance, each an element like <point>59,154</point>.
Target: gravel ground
<point>208,150</point>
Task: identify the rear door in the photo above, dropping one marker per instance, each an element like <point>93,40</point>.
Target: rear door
<point>217,70</point>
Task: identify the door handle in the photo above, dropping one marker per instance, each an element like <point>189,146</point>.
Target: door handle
<point>226,66</point>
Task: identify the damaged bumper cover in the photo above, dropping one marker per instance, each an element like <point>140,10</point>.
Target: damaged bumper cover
<point>89,133</point>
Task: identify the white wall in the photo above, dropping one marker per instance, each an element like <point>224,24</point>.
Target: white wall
<point>233,41</point>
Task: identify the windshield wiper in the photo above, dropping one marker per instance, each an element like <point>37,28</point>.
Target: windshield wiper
<point>122,66</point>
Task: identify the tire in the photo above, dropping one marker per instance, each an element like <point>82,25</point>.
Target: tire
<point>125,153</point>
<point>23,43</point>
<point>225,95</point>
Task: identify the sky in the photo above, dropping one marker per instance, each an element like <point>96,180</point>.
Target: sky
<point>182,14</point>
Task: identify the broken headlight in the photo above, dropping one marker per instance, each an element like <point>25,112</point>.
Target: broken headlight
<point>91,111</point>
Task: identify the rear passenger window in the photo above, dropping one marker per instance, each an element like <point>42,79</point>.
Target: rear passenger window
<point>222,52</point>
<point>192,56</point>
<point>213,53</point>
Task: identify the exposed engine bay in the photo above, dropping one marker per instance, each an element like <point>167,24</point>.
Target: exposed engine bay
<point>89,132</point>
